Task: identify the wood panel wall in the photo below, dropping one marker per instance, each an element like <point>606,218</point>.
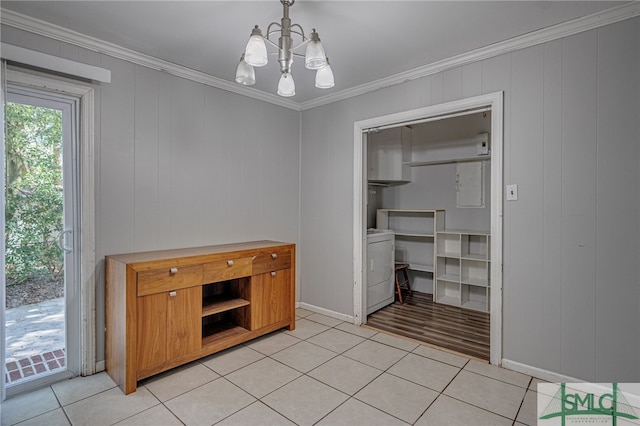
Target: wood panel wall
<point>182,164</point>
<point>178,164</point>
<point>572,240</point>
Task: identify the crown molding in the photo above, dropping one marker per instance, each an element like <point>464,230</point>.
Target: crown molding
<point>46,29</point>
<point>589,22</point>
<point>609,16</point>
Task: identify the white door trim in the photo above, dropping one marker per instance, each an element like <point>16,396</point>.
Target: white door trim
<point>495,102</point>
<point>87,203</point>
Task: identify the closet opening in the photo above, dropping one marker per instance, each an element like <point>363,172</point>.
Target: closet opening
<point>428,229</point>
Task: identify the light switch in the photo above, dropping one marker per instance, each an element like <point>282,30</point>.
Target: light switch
<point>512,192</point>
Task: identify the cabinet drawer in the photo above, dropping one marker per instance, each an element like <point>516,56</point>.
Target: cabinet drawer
<point>165,279</point>
<point>271,261</point>
<point>226,269</point>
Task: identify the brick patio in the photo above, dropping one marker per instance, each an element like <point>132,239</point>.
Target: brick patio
<point>31,366</point>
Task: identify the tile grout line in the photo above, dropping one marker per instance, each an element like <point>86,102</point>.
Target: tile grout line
<point>334,355</point>
<point>513,421</point>
<point>523,398</point>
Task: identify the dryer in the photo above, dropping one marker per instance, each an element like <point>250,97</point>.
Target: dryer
<point>380,269</point>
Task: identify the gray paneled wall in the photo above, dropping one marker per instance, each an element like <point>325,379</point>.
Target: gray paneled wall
<point>179,164</point>
<point>571,281</point>
<point>182,164</point>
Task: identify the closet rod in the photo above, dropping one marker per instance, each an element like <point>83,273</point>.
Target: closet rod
<point>428,119</point>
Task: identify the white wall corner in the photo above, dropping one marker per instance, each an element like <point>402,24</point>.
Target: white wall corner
<point>549,376</point>
<point>327,312</point>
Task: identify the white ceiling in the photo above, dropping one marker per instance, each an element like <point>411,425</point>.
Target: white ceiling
<point>365,40</point>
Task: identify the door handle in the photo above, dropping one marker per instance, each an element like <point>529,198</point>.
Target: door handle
<point>62,241</point>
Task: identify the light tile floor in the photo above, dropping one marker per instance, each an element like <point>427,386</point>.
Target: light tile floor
<point>325,372</point>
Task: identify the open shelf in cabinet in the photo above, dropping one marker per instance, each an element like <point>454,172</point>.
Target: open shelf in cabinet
<point>448,292</point>
<point>219,331</point>
<point>214,305</point>
<point>225,309</point>
<point>448,269</point>
<point>475,247</point>
<point>448,244</point>
<point>474,297</point>
<point>474,272</point>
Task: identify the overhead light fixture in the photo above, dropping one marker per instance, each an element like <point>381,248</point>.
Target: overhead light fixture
<point>255,54</point>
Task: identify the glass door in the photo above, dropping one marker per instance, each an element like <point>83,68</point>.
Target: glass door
<point>41,274</point>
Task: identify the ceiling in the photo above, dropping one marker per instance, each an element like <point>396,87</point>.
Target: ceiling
<point>364,40</point>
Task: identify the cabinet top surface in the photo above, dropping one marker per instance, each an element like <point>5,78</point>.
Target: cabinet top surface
<point>149,256</point>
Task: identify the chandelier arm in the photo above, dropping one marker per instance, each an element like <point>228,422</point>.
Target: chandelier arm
<point>300,33</point>
<point>269,32</point>
<point>272,43</point>
<point>303,42</point>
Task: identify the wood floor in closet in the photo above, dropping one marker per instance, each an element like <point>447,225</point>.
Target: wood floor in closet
<point>460,330</point>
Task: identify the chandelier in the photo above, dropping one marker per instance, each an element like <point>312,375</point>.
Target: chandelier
<point>255,54</point>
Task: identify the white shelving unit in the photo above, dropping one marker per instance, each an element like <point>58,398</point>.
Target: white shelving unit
<point>462,268</point>
<point>415,232</point>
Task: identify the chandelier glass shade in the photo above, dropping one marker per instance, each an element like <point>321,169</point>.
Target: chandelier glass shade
<point>286,85</point>
<point>324,77</point>
<point>245,74</point>
<point>256,51</point>
<point>255,54</point>
<point>315,58</point>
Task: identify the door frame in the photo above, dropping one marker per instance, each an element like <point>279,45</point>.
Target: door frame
<point>494,101</point>
<point>86,167</point>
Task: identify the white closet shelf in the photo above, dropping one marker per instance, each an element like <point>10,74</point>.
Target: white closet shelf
<point>421,267</point>
<point>449,277</point>
<point>449,300</point>
<point>480,257</point>
<point>475,282</point>
<point>412,234</point>
<point>449,161</point>
<point>472,304</point>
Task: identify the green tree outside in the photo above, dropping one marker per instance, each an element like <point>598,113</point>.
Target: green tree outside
<point>33,179</point>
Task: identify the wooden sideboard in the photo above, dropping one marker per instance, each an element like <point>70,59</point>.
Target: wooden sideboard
<point>166,308</point>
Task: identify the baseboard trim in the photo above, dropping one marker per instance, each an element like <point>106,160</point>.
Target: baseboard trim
<point>549,376</point>
<point>327,312</point>
<point>100,366</point>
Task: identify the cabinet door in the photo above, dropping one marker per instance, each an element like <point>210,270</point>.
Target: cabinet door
<point>152,331</point>
<point>270,298</point>
<point>168,326</point>
<point>184,322</point>
<point>388,152</point>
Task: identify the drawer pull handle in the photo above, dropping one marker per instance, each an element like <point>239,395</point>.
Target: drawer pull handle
<point>229,262</point>
<point>173,293</point>
<point>273,273</point>
<point>274,255</point>
<point>173,270</point>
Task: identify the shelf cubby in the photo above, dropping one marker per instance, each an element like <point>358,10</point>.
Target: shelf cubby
<point>225,309</point>
<point>462,269</point>
<point>448,292</point>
